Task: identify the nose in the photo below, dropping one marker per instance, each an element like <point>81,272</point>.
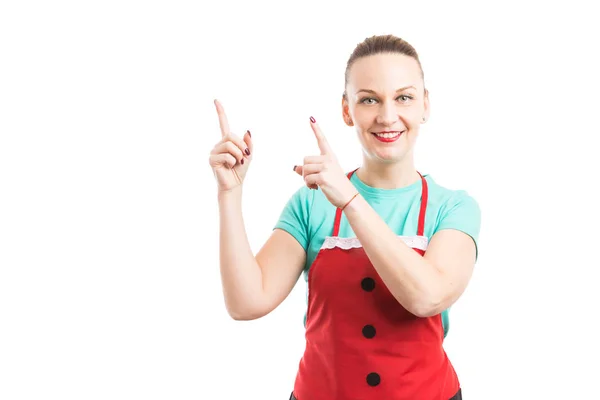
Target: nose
<point>388,114</point>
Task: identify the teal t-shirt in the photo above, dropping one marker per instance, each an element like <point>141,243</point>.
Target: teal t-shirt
<point>308,216</point>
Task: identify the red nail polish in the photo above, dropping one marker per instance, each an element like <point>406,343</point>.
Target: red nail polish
<point>312,120</point>
<point>242,162</point>
<point>294,168</point>
<point>247,151</point>
<point>249,134</point>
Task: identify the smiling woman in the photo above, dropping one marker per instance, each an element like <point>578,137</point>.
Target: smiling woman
<point>384,249</point>
<point>386,99</point>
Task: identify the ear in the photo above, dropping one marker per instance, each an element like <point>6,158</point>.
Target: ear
<point>346,111</point>
<point>426,105</point>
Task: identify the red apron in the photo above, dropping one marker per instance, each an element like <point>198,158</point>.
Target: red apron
<point>360,342</point>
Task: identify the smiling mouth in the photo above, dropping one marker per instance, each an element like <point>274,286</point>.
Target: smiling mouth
<point>387,136</point>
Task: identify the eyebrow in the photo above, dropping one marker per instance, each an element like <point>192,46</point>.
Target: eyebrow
<point>399,90</point>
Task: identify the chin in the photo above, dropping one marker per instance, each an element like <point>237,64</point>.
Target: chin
<point>392,153</point>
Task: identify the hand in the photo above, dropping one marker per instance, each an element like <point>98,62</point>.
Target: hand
<point>325,172</point>
<point>231,156</point>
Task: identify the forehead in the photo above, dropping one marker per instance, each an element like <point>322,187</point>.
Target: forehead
<point>384,72</point>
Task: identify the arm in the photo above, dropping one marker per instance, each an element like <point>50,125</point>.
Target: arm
<point>254,286</point>
<point>424,285</point>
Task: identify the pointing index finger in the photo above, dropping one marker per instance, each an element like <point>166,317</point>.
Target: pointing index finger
<point>321,140</point>
<point>223,123</point>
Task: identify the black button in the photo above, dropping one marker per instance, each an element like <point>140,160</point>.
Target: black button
<point>368,284</point>
<point>373,379</point>
<point>369,331</point>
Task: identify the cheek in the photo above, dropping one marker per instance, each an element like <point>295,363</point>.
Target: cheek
<point>412,114</point>
<point>364,120</point>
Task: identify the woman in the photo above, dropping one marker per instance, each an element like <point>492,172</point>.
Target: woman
<point>385,250</point>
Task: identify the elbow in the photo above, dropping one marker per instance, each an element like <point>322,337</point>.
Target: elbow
<point>426,306</point>
<point>244,313</point>
<point>426,312</point>
<point>242,317</point>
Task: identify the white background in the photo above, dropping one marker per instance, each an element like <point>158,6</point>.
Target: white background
<point>109,274</point>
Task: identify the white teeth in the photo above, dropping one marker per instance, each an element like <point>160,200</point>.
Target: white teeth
<point>388,135</point>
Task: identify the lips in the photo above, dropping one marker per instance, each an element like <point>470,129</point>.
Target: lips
<point>387,136</point>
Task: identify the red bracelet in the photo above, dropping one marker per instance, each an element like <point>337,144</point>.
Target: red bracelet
<point>349,201</point>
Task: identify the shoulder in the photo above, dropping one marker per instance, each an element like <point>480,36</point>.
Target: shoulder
<point>445,198</point>
<point>302,195</point>
<point>307,200</point>
<point>455,208</point>
<point>304,209</point>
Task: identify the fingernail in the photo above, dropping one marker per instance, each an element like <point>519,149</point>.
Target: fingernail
<point>249,134</point>
<point>312,120</point>
<point>247,151</point>
<point>242,162</point>
<point>294,168</point>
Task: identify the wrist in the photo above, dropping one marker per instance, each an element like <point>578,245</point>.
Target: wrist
<point>229,196</point>
<point>350,199</point>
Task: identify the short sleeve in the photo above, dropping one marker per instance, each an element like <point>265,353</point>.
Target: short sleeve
<point>462,212</point>
<point>295,216</point>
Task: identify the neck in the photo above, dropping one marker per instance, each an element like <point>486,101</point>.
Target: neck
<point>388,175</point>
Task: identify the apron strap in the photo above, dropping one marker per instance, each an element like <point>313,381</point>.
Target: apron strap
<point>424,197</point>
<point>338,212</point>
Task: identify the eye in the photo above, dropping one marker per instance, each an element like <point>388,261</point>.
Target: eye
<point>405,97</point>
<point>366,99</point>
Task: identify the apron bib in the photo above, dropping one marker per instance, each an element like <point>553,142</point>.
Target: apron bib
<point>360,342</point>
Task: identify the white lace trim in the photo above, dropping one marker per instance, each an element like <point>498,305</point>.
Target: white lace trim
<point>415,242</point>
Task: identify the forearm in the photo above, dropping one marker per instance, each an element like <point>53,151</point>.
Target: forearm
<point>240,273</point>
<point>411,279</point>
